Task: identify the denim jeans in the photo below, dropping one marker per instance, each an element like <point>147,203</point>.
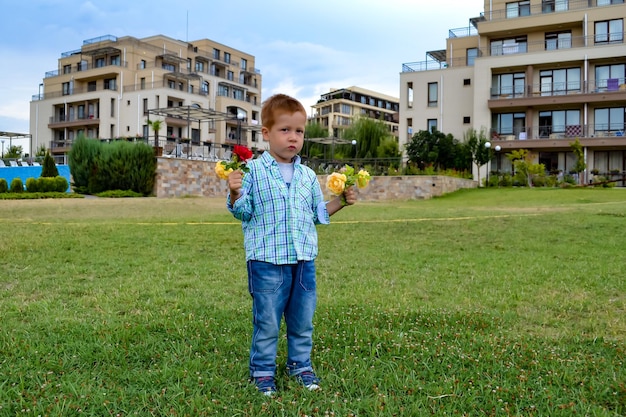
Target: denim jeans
<point>277,291</point>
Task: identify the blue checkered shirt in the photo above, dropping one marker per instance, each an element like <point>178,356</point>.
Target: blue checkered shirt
<point>278,221</point>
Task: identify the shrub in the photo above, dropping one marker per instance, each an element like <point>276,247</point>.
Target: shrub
<point>31,185</point>
<point>4,187</point>
<point>61,184</point>
<point>17,186</point>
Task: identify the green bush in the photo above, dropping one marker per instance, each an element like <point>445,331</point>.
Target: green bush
<point>4,187</point>
<point>17,186</point>
<point>61,184</point>
<point>31,185</point>
<point>97,167</point>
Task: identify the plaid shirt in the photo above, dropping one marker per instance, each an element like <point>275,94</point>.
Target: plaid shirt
<point>278,222</point>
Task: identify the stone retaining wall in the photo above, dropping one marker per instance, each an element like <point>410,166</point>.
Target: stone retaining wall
<point>187,177</point>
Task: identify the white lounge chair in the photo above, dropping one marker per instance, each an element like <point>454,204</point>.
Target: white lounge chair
<point>13,163</point>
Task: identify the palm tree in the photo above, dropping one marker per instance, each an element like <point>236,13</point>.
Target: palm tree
<point>156,126</point>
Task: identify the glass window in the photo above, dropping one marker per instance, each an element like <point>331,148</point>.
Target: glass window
<point>606,72</point>
<point>561,81</point>
<point>610,119</point>
<point>244,64</point>
<point>227,57</point>
<point>609,31</point>
<point>216,53</point>
<point>471,55</point>
<point>115,60</point>
<point>508,46</point>
<point>518,8</point>
<point>558,40</point>
<point>432,125</point>
<point>508,85</point>
<point>433,94</point>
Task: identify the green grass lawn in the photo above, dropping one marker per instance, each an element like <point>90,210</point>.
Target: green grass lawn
<point>499,302</point>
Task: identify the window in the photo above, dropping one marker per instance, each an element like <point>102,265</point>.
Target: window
<point>244,64</point>
<point>607,2</point>
<point>145,105</point>
<point>189,64</point>
<point>470,57</point>
<point>604,73</point>
<point>549,6</point>
<point>508,46</point>
<point>508,85</point>
<point>610,119</point>
<point>431,125</point>
<point>199,66</point>
<point>467,81</point>
<point>346,108</point>
<point>227,57</point>
<point>216,53</point>
<point>142,64</point>
<point>559,82</point>
<point>610,31</point>
<point>171,84</point>
<point>91,86</point>
<point>67,88</point>
<point>112,107</point>
<point>558,40</point>
<point>556,122</point>
<point>169,67</point>
<point>223,90</point>
<point>145,131</point>
<point>81,111</point>
<point>67,69</point>
<point>230,76</point>
<point>109,84</point>
<point>115,60</point>
<point>99,62</point>
<point>517,9</point>
<point>205,87</point>
<point>142,83</point>
<point>433,94</point>
<point>509,123</point>
<point>466,120</point>
<point>409,95</point>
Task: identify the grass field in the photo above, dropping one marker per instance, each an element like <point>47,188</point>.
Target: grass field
<point>499,302</point>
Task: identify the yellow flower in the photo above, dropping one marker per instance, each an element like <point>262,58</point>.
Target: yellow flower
<point>221,171</point>
<point>362,178</point>
<point>336,183</point>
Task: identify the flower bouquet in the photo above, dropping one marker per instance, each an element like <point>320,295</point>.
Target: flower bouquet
<point>337,182</point>
<point>240,157</point>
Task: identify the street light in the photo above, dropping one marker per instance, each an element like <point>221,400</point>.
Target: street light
<point>2,147</point>
<point>240,117</point>
<point>488,147</point>
<point>498,148</point>
<point>356,149</point>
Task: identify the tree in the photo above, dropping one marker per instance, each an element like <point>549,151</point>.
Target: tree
<point>311,149</point>
<point>480,154</point>
<point>369,134</point>
<point>156,125</point>
<point>436,149</point>
<point>14,152</point>
<point>524,168</point>
<point>49,168</point>
<point>581,165</point>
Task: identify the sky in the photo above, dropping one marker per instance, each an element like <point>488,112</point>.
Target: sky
<point>302,48</point>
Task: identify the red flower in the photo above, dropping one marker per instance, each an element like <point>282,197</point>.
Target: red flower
<point>243,154</point>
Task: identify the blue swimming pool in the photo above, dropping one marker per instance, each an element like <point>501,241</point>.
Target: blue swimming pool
<point>9,173</point>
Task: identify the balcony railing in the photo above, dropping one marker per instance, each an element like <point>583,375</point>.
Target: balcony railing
<point>559,89</point>
<point>538,9</point>
<point>569,132</point>
<point>81,67</point>
<point>520,48</point>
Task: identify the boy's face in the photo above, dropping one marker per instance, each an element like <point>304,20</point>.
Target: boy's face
<point>286,136</point>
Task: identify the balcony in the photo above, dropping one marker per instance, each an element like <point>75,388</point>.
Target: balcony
<point>547,46</point>
<point>560,136</point>
<point>60,122</point>
<point>557,6</point>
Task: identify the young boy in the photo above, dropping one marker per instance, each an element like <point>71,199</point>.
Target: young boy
<point>279,202</point>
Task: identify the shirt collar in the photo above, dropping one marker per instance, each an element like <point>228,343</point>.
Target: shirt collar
<point>268,159</point>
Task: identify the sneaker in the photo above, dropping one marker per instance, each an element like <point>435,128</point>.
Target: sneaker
<point>265,385</point>
<point>309,380</point>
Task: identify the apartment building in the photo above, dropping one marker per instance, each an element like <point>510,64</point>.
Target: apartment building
<point>207,96</point>
<point>536,75</point>
<point>337,109</point>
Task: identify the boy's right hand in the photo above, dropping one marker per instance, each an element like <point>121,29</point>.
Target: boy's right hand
<point>234,184</point>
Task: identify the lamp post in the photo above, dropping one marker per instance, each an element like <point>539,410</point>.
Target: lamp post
<point>488,147</point>
<point>498,149</point>
<point>356,150</point>
<point>2,147</point>
<point>240,117</point>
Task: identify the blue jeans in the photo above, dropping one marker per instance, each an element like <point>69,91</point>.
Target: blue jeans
<point>277,291</point>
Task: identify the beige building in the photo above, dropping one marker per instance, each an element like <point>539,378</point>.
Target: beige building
<point>207,95</point>
<point>338,109</point>
<point>536,75</point>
